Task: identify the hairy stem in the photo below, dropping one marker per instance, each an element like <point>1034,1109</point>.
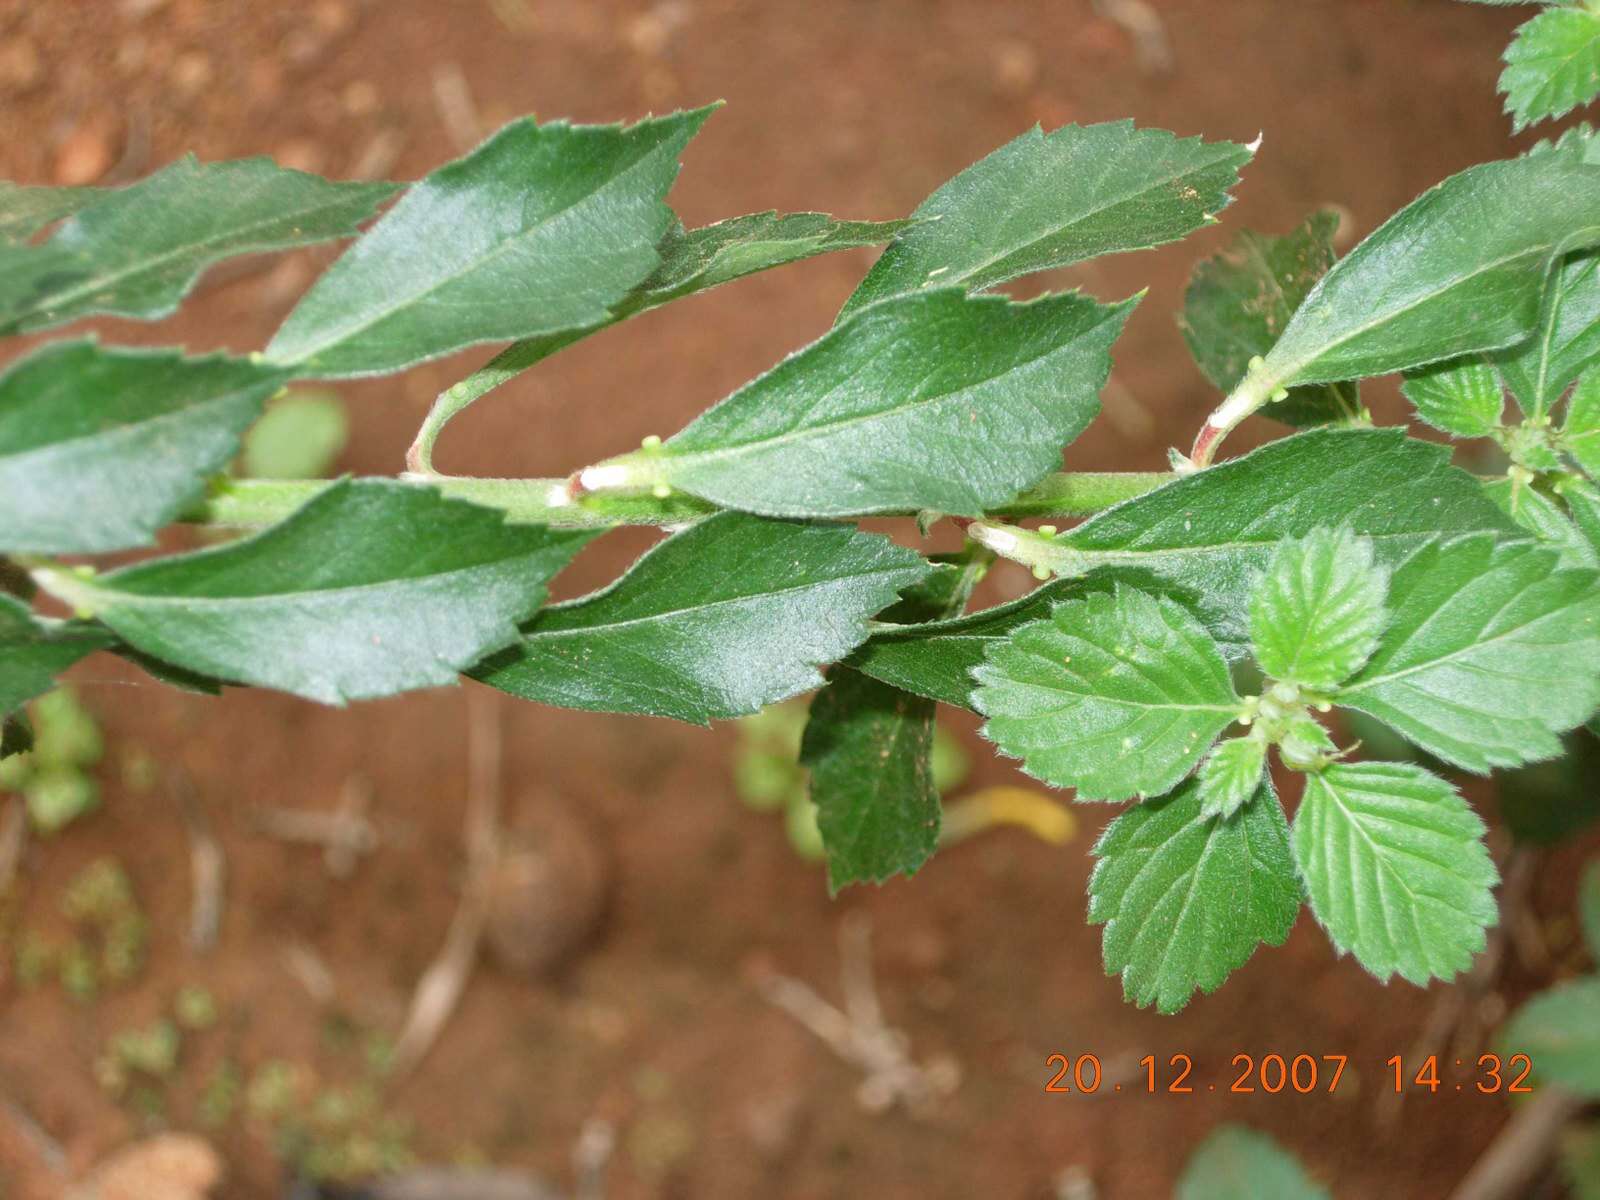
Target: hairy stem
<point>248,503</point>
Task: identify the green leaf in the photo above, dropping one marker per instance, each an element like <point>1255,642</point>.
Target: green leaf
<point>718,621</point>
<point>1239,301</point>
<point>1544,518</point>
<point>1462,268</point>
<point>1203,538</point>
<point>869,749</point>
<point>33,651</point>
<point>300,436</point>
<point>1230,775</point>
<point>1048,200</point>
<point>540,230</point>
<point>1580,433</point>
<point>372,587</point>
<point>101,447</point>
<point>1395,867</point>
<point>26,210</point>
<point>938,400</point>
<point>135,251</point>
<point>1552,65</point>
<point>872,750</point>
<point>1236,1163</point>
<point>1491,652</point>
<point>1589,907</point>
<point>1560,1031</point>
<point>1566,340</point>
<point>1186,896</point>
<point>1463,396</point>
<point>1116,695</point>
<point>692,261</point>
<point>1318,608</point>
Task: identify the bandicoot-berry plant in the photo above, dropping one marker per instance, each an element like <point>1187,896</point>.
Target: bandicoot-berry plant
<point>1194,630</point>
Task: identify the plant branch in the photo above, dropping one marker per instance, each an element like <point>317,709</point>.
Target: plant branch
<point>250,503</point>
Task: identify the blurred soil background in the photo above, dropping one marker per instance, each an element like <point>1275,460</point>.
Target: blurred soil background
<point>657,1027</point>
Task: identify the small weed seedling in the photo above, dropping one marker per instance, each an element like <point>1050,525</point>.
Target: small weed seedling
<point>1353,569</point>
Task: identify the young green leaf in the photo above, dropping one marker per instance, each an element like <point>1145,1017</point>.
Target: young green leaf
<point>1048,200</point>
<point>1580,433</point>
<point>718,621</point>
<point>1230,775</point>
<point>868,747</point>
<point>1463,396</point>
<point>1552,65</point>
<point>1395,867</point>
<point>1236,1163</point>
<point>540,230</point>
<point>937,400</point>
<point>369,589</point>
<point>101,447</point>
<point>33,651</point>
<point>1560,1031</point>
<point>1566,340</point>
<point>1186,896</point>
<point>135,251</point>
<point>1239,301</point>
<point>1543,517</point>
<point>1462,268</point>
<point>26,210</point>
<point>1116,695</point>
<point>1318,608</point>
<point>1492,651</point>
<point>1203,537</point>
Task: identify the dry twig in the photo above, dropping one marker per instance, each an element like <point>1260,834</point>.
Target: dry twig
<point>453,99</point>
<point>858,1033</point>
<point>439,990</point>
<point>345,835</point>
<point>13,840</point>
<point>208,868</point>
<point>33,1135</point>
<point>1515,1158</point>
<point>1144,24</point>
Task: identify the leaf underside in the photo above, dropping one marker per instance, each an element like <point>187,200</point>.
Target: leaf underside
<point>868,747</point>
